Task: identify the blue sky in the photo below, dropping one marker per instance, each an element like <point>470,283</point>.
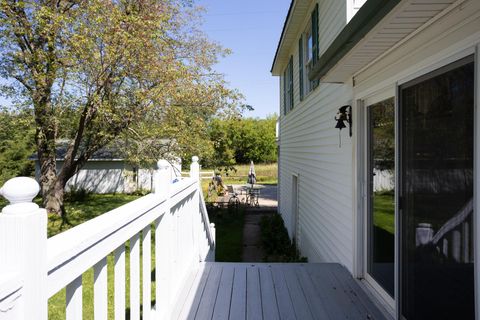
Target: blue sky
<point>251,29</point>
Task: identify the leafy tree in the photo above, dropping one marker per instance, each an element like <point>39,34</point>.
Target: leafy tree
<point>16,144</point>
<point>93,71</point>
<point>241,140</point>
<point>255,140</point>
<point>223,155</point>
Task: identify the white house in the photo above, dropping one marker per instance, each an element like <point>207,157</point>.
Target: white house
<point>406,74</point>
<point>106,171</point>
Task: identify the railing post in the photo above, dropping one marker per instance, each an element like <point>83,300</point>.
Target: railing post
<point>163,177</point>
<point>195,169</point>
<point>23,244</point>
<point>213,233</point>
<point>164,241</point>
<point>196,217</point>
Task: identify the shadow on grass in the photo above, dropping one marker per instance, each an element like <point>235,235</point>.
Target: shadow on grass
<point>229,232</point>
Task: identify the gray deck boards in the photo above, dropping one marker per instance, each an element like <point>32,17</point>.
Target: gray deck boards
<point>276,291</point>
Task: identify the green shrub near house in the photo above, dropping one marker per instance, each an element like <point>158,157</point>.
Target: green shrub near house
<point>276,242</point>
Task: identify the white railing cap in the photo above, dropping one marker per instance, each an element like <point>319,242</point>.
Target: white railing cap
<point>20,192</point>
<point>195,159</point>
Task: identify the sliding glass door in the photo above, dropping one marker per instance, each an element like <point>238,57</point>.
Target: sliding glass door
<point>436,194</point>
<point>381,194</point>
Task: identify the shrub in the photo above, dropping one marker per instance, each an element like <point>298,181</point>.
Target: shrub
<point>276,242</point>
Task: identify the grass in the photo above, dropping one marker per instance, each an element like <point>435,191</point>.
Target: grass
<point>79,211</point>
<point>229,233</point>
<point>266,174</point>
<point>384,209</point>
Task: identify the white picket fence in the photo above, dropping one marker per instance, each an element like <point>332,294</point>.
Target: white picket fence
<point>34,268</point>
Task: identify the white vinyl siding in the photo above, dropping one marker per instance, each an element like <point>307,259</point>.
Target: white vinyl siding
<point>309,146</point>
<point>331,21</point>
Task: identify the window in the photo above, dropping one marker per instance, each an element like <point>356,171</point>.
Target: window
<point>308,54</point>
<point>288,87</point>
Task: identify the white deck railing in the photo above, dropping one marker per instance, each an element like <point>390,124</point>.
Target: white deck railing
<point>34,268</point>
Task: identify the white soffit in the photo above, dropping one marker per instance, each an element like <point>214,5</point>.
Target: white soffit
<point>404,20</point>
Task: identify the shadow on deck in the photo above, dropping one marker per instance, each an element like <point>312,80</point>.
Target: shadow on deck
<point>275,291</point>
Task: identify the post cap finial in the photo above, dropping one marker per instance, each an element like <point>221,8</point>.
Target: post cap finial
<point>20,192</point>
<point>195,159</point>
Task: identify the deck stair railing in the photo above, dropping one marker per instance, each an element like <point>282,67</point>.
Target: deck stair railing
<point>170,223</point>
<point>453,238</point>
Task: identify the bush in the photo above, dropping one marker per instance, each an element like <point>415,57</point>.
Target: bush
<point>276,242</point>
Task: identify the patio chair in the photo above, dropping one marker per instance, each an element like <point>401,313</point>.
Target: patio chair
<point>252,197</point>
<point>234,199</point>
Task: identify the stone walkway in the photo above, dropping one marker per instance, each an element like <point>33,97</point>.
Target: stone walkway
<point>252,241</point>
<point>252,235</point>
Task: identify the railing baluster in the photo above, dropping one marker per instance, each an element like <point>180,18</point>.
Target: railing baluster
<point>135,277</point>
<point>466,242</point>
<point>74,300</point>
<point>456,244</point>
<point>147,266</point>
<point>445,247</point>
<point>100,290</point>
<point>163,262</point>
<point>119,283</point>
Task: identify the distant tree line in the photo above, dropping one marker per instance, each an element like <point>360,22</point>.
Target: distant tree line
<point>241,140</point>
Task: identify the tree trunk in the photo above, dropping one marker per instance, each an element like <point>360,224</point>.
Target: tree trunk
<point>45,136</point>
<point>52,188</point>
<point>53,200</point>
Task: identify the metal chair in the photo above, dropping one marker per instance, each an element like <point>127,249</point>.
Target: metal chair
<point>252,197</point>
<point>234,199</point>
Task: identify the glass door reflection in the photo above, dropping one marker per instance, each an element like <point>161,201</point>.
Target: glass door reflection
<point>436,210</point>
<point>381,191</point>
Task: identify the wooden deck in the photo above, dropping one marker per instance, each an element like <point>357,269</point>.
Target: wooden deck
<point>275,291</point>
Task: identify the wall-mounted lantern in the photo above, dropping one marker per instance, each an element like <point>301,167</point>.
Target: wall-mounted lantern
<point>343,115</point>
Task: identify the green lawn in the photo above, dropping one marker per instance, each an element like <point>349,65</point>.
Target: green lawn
<point>384,209</point>
<point>83,210</point>
<point>266,174</point>
<point>229,234</point>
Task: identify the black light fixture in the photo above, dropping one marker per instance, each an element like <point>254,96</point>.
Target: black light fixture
<point>344,114</point>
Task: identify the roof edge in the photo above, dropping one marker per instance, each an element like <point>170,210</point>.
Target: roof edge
<point>366,18</point>
<point>285,24</point>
